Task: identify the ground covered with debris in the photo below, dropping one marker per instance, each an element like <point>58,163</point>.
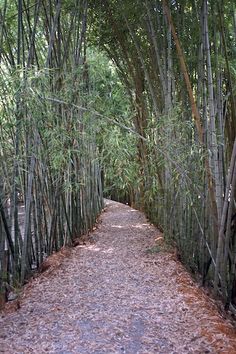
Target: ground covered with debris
<point>121,292</point>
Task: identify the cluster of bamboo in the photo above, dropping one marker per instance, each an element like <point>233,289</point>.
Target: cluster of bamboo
<point>177,60</point>
<point>50,187</point>
<point>178,69</point>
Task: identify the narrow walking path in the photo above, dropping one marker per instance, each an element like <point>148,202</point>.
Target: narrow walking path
<point>115,295</point>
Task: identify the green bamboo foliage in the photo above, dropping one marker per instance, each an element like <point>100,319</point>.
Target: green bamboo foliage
<point>177,62</point>
<point>50,177</point>
<point>171,151</point>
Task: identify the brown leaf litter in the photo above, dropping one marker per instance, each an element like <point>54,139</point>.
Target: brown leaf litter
<point>116,295</point>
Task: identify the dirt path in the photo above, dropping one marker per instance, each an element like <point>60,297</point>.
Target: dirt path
<point>114,296</point>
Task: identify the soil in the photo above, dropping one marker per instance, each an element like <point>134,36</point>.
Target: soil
<point>122,292</point>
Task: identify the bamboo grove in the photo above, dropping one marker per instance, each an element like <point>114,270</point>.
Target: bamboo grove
<point>177,62</point>
<point>50,177</point>
<point>133,97</point>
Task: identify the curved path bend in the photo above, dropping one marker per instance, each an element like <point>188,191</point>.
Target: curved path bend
<point>116,295</point>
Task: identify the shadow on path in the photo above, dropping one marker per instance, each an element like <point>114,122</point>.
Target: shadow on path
<point>113,296</point>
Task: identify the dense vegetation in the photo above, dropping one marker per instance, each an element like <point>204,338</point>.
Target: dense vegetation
<point>50,176</point>
<point>144,91</point>
<point>178,66</point>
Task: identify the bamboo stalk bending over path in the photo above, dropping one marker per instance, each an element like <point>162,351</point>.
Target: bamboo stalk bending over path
<point>119,293</point>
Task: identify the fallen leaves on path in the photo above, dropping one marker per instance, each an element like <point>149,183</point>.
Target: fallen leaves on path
<point>118,294</point>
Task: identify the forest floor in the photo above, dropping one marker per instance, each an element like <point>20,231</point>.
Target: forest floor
<point>120,292</point>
